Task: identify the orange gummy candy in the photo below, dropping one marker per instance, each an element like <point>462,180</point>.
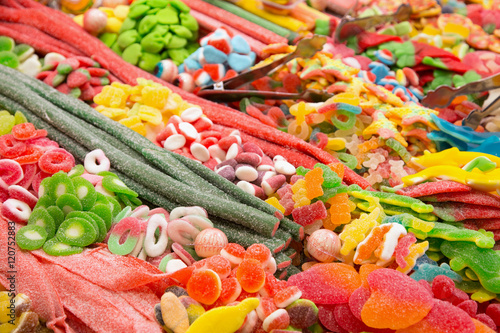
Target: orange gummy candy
<point>258,252</point>
<point>340,211</point>
<point>364,271</point>
<point>314,179</point>
<point>204,286</point>
<point>231,289</point>
<point>367,247</point>
<point>338,168</point>
<point>219,265</point>
<point>251,275</point>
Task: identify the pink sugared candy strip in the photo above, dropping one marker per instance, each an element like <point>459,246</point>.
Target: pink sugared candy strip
<point>431,188</point>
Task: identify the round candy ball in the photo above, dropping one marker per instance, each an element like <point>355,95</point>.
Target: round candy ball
<point>324,245</point>
<point>94,21</point>
<point>210,242</point>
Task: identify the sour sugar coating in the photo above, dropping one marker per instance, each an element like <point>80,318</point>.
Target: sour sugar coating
<point>428,272</point>
<point>259,252</point>
<point>230,290</point>
<point>233,252</point>
<point>130,225</point>
<point>314,180</point>
<point>219,265</point>
<point>251,275</point>
<point>416,251</point>
<point>340,211</point>
<point>357,230</point>
<point>303,313</point>
<point>204,286</point>
<point>396,301</point>
<point>451,233</point>
<point>279,319</point>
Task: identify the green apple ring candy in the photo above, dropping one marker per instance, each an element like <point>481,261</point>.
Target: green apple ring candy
<point>45,201</point>
<point>85,192</point>
<point>130,225</point>
<point>42,218</point>
<point>31,237</point>
<point>86,216</point>
<point>114,184</point>
<point>68,203</point>
<point>76,171</point>
<point>104,212</point>
<point>125,212</point>
<point>55,247</point>
<point>57,214</point>
<point>114,205</point>
<point>44,187</point>
<point>7,43</point>
<point>101,225</point>
<point>107,173</point>
<point>60,184</point>
<point>76,231</point>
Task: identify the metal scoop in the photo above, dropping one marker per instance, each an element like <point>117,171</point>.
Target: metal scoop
<point>306,48</point>
<point>350,26</point>
<point>309,95</point>
<point>444,95</point>
<point>475,116</point>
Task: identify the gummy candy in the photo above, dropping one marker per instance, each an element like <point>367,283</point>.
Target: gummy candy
<point>259,252</point>
<point>230,290</point>
<point>204,286</point>
<point>356,231</point>
<point>251,275</point>
<point>314,179</point>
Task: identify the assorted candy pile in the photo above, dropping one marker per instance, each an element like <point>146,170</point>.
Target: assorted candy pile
<point>220,57</point>
<point>21,319</point>
<point>80,77</point>
<point>104,22</point>
<point>157,30</point>
<point>21,57</point>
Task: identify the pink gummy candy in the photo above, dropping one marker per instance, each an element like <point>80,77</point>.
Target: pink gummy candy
<point>444,317</point>
<point>403,249</point>
<point>357,300</point>
<point>431,188</point>
<point>443,287</point>
<point>306,215</point>
<point>326,316</point>
<point>11,172</point>
<point>493,310</point>
<point>397,301</point>
<point>327,283</point>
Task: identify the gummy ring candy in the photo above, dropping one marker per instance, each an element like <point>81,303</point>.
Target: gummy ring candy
<point>31,155</point>
<point>96,161</point>
<point>349,160</point>
<point>26,131</point>
<point>344,125</point>
<point>31,237</point>
<point>11,172</point>
<point>130,224</point>
<point>56,160</point>
<point>153,247</point>
<point>10,147</point>
<point>301,131</point>
<point>15,210</point>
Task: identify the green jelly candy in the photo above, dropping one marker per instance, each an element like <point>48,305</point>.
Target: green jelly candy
<point>108,38</point>
<point>161,30</point>
<point>158,3</point>
<point>23,51</point>
<point>85,192</point>
<point>153,11</point>
<point>58,79</point>
<point>57,214</point>
<point>103,231</point>
<point>116,49</point>
<point>31,237</point>
<point>344,124</point>
<point>482,163</point>
<point>9,59</point>
<point>191,47</point>
<point>166,39</point>
<point>188,21</point>
<point>127,24</point>
<point>55,247</point>
<point>114,205</point>
<point>60,184</point>
<point>301,171</point>
<point>109,173</point>
<point>181,31</point>
<point>168,15</point>
<point>148,61</point>
<point>76,171</point>
<point>7,43</point>
<point>322,27</point>
<point>330,177</point>
<point>176,42</point>
<point>331,192</point>
<point>45,201</point>
<point>85,216</point>
<point>164,261</point>
<point>181,6</point>
<point>128,38</point>
<point>42,217</point>
<point>68,203</point>
<point>6,124</point>
<point>178,55</point>
<point>399,149</point>
<point>128,225</point>
<point>125,212</point>
<point>101,198</point>
<point>76,231</point>
<point>147,24</point>
<point>138,10</point>
<point>75,92</point>
<point>104,212</point>
<point>20,118</point>
<point>152,43</point>
<point>348,160</point>
<point>129,201</point>
<point>132,54</point>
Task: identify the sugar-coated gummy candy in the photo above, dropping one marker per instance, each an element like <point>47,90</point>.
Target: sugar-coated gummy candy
<point>266,307</point>
<point>331,283</point>
<point>31,237</point>
<point>279,319</point>
<point>68,203</point>
<point>303,313</point>
<point>42,218</point>
<point>174,313</point>
<point>156,245</point>
<point>85,192</point>
<point>193,308</point>
<point>251,275</point>
<point>357,299</point>
<point>55,247</point>
<point>219,265</point>
<point>443,317</point>
<point>130,225</point>
<point>442,287</point>
<point>287,296</point>
<point>234,253</point>
<point>204,286</point>
<point>314,180</point>
<point>259,252</point>
<point>22,194</point>
<point>15,210</point>
<point>77,231</point>
<point>11,172</point>
<point>396,301</point>
<point>230,290</point>
<point>58,185</point>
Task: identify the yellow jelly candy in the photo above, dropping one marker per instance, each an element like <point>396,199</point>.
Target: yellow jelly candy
<point>112,97</point>
<point>347,98</point>
<point>7,328</point>
<point>107,10</point>
<point>112,113</point>
<point>113,25</point>
<point>125,87</point>
<point>300,111</point>
<point>357,230</point>
<point>224,319</point>
<point>130,121</point>
<point>121,12</point>
<point>455,28</point>
<point>273,201</point>
<point>335,143</point>
<point>78,20</point>
<point>416,251</point>
<point>155,97</point>
<point>150,114</point>
<point>431,30</point>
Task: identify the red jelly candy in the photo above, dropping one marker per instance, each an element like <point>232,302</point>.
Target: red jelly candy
<point>251,275</point>
<point>31,156</point>
<point>230,290</point>
<point>266,307</point>
<point>38,179</point>
<point>11,172</point>
<point>326,316</point>
<point>43,143</point>
<point>443,287</point>
<point>10,147</point>
<point>493,310</point>
<point>204,286</point>
<point>219,265</point>
<point>23,131</point>
<point>470,307</point>
<point>306,215</point>
<point>487,320</point>
<point>258,252</point>
<point>4,193</point>
<point>56,160</point>
<point>357,300</point>
<point>287,296</point>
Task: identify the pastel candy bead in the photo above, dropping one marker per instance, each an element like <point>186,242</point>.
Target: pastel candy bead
<point>96,161</point>
<point>15,210</point>
<point>180,212</point>
<point>210,242</point>
<point>152,246</point>
<point>240,45</point>
<point>129,224</point>
<point>246,172</point>
<point>239,62</point>
<point>31,237</point>
<point>77,232</point>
